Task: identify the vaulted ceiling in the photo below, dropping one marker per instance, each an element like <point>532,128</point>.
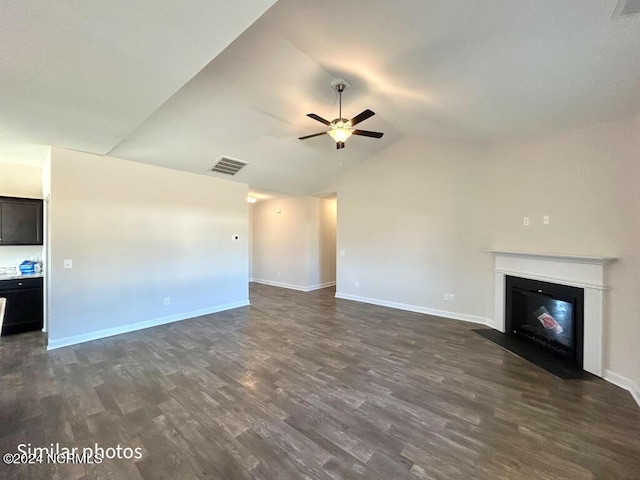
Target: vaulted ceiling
<point>178,85</point>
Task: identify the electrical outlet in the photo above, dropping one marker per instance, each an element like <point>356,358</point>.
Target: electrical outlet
<point>449,297</point>
<point>342,253</point>
<point>545,220</point>
<point>452,297</point>
<point>525,221</point>
<point>167,300</point>
<point>67,263</point>
<point>357,284</point>
<point>278,273</point>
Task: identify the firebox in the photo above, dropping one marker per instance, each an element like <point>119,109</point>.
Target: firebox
<point>548,315</point>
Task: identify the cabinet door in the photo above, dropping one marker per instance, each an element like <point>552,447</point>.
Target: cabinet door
<point>21,222</point>
<point>24,310</point>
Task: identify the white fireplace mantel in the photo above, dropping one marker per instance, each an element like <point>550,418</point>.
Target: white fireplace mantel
<point>574,270</point>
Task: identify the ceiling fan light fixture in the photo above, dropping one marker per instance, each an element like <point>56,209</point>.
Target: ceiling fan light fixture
<point>340,132</point>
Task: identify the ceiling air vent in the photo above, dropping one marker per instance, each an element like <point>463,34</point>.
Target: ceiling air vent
<point>626,8</point>
<point>228,165</point>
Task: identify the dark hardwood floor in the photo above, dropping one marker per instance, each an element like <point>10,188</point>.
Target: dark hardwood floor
<point>301,385</point>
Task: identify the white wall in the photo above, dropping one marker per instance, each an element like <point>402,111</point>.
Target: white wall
<point>411,222</point>
<point>250,235</point>
<point>137,234</point>
<point>587,180</point>
<point>292,248</point>
<point>46,176</point>
<point>327,246</point>
<point>19,181</point>
<point>636,377</point>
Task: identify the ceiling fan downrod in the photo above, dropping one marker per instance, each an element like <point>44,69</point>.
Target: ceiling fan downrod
<point>340,88</point>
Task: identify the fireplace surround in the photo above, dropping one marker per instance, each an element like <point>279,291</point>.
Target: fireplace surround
<point>583,272</point>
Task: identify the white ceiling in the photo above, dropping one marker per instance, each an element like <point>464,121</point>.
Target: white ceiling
<point>84,74</point>
<point>459,69</point>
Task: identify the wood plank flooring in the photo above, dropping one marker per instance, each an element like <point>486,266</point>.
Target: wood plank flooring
<point>304,386</point>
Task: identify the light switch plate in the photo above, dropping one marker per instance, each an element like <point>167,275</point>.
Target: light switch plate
<point>68,263</point>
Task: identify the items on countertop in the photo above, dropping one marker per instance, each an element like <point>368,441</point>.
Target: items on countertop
<point>29,267</point>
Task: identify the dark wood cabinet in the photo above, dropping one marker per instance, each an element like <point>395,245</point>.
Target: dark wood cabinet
<point>20,221</point>
<point>24,308</point>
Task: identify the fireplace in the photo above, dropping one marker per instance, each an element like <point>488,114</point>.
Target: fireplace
<point>547,315</point>
<point>582,272</point>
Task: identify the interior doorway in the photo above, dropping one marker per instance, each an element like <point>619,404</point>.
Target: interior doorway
<point>293,242</point>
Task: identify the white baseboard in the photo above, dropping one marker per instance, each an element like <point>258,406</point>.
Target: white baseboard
<point>490,322</point>
<point>109,332</point>
<point>321,286</point>
<point>624,382</point>
<point>415,308</point>
<point>290,286</point>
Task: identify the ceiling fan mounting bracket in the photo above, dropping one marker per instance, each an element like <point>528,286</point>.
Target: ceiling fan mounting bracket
<point>339,85</point>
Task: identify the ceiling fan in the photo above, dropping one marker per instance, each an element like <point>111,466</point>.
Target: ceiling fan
<point>340,128</point>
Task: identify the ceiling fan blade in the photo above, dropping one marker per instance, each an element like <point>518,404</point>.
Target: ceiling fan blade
<point>361,117</point>
<point>367,133</point>
<point>318,118</point>
<point>311,136</point>
<point>339,145</point>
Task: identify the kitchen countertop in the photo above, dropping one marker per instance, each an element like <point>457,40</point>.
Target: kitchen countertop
<point>18,276</point>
